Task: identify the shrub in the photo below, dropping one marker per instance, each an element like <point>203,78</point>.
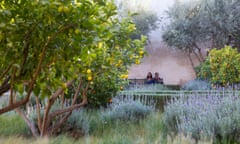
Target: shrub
<point>148,87</point>
<point>221,66</point>
<point>101,92</point>
<point>146,94</point>
<point>79,120</point>
<point>126,109</point>
<point>213,116</point>
<point>197,85</point>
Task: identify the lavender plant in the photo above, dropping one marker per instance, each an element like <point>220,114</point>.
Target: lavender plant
<point>214,116</point>
<point>197,85</point>
<point>148,87</point>
<point>79,120</point>
<point>126,109</point>
<point>146,94</point>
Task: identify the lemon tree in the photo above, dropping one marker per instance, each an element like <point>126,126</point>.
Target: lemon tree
<point>221,66</point>
<point>49,46</point>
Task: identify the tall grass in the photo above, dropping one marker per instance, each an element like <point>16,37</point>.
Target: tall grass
<point>12,124</point>
<point>146,131</point>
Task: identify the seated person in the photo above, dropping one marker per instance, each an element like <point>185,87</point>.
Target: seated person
<point>157,79</point>
<point>149,78</point>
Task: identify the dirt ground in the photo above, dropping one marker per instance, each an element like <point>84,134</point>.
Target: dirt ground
<point>173,66</point>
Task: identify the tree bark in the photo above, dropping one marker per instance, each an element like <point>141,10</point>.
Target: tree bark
<point>5,86</point>
<point>38,113</point>
<point>62,120</point>
<point>190,58</point>
<point>200,53</point>
<point>35,75</point>
<point>197,56</point>
<point>46,118</point>
<point>28,122</point>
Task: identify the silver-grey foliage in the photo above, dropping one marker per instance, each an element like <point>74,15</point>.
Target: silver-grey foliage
<point>145,19</point>
<point>212,22</point>
<point>210,116</point>
<point>126,109</point>
<point>197,85</point>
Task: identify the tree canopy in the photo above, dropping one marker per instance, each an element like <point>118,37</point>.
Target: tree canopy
<point>145,19</point>
<point>47,46</point>
<point>214,23</point>
<point>221,67</point>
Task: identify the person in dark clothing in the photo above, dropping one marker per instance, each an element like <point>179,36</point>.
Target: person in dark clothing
<point>157,79</point>
<point>149,78</point>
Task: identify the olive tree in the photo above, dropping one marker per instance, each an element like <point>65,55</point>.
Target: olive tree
<point>48,48</point>
<point>214,23</point>
<point>145,19</point>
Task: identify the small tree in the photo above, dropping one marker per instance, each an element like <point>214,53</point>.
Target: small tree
<point>221,66</point>
<point>48,48</point>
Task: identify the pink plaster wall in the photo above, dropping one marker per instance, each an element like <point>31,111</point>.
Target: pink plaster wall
<point>173,66</point>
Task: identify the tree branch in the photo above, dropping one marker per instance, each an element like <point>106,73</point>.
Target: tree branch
<point>11,87</point>
<point>59,112</point>
<point>51,101</point>
<point>68,109</point>
<point>190,58</point>
<point>77,93</point>
<point>5,86</point>
<point>59,123</point>
<point>200,52</point>
<point>28,122</point>
<point>62,120</point>
<point>25,51</point>
<point>37,71</point>
<point>38,112</point>
<point>6,71</point>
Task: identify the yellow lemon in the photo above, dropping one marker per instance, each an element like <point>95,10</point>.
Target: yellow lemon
<point>100,45</point>
<point>78,4</point>
<point>141,52</point>
<point>64,86</point>
<point>89,71</point>
<point>117,65</point>
<point>66,9</point>
<point>89,78</point>
<point>137,61</point>
<point>77,31</point>
<point>117,47</point>
<point>120,62</point>
<point>126,76</point>
<point>60,9</point>
<point>12,21</point>
<point>122,76</point>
